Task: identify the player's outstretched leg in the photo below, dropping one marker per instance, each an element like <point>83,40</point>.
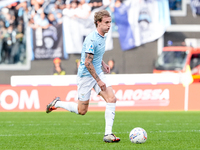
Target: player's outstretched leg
<point>57,103</point>
<point>51,106</point>
<point>110,138</point>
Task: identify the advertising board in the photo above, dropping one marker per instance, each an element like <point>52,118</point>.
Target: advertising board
<point>129,97</point>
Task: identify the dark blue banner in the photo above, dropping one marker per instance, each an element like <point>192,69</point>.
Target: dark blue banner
<point>125,33</point>
<point>48,43</point>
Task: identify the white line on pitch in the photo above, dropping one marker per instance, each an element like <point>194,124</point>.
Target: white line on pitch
<point>71,134</point>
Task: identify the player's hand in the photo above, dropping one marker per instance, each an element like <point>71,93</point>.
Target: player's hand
<point>106,68</point>
<point>102,85</point>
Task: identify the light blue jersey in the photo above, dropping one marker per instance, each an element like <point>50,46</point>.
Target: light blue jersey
<point>95,44</point>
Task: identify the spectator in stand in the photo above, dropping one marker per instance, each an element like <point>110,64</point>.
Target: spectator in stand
<point>40,2</point>
<point>40,20</point>
<point>18,49</point>
<point>79,9</point>
<point>56,10</point>
<point>52,19</point>
<point>84,10</point>
<point>58,70</point>
<point>60,4</point>
<point>8,40</point>
<point>76,1</point>
<point>13,14</point>
<point>48,7</point>
<point>95,4</point>
<point>7,16</point>
<point>70,9</point>
<point>37,8</point>
<point>58,16</point>
<point>113,69</point>
<point>21,7</point>
<point>38,15</point>
<point>73,8</point>
<point>66,11</point>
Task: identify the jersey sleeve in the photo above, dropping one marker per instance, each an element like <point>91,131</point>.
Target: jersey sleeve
<point>90,47</point>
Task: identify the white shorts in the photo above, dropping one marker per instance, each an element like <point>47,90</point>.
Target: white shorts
<point>85,85</point>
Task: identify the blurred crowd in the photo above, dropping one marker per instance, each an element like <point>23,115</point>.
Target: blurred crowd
<point>12,34</point>
<point>43,13</point>
<point>15,17</point>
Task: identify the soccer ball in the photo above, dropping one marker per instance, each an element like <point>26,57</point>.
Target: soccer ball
<point>138,135</point>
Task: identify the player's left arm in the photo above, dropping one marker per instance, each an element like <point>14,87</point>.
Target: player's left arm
<point>106,67</point>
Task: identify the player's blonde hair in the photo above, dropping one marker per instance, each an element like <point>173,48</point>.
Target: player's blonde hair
<point>99,15</point>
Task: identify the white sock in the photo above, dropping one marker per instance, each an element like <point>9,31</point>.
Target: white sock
<point>70,106</point>
<point>109,117</point>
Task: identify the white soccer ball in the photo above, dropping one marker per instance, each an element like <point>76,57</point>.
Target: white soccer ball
<point>138,135</point>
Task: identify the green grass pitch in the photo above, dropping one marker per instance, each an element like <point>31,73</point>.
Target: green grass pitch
<point>68,131</point>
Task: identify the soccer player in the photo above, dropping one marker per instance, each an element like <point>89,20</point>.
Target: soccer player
<point>90,75</point>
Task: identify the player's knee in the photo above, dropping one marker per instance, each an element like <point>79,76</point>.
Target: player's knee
<point>82,112</point>
<point>112,99</point>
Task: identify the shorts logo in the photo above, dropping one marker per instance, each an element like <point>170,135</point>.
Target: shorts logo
<point>82,95</point>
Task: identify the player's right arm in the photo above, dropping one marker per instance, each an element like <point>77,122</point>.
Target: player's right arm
<point>89,65</point>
